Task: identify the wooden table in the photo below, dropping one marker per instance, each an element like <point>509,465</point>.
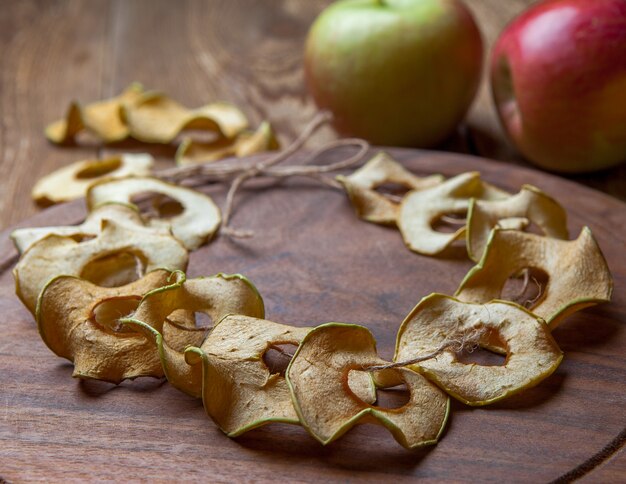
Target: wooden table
<point>245,51</point>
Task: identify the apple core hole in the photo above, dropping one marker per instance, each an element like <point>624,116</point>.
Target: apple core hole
<point>114,270</point>
<point>157,205</point>
<point>395,190</point>
<point>107,313</point>
<point>278,356</point>
<point>99,168</point>
<point>480,356</point>
<point>526,287</point>
<point>82,237</point>
<point>449,222</point>
<point>395,397</point>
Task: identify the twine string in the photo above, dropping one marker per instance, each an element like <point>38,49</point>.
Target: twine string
<point>207,172</point>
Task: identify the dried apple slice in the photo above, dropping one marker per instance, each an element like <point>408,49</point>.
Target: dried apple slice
<point>195,225</point>
<point>215,296</point>
<point>126,215</point>
<point>317,377</point>
<point>115,256</point>
<point>530,205</point>
<point>382,169</point>
<point>156,118</point>
<point>531,353</point>
<point>420,211</point>
<point>578,275</point>
<point>77,320</point>
<point>72,181</point>
<point>238,390</point>
<point>246,143</point>
<point>102,118</point>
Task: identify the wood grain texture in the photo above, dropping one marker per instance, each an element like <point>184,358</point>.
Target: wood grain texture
<point>314,261</point>
<point>245,51</point>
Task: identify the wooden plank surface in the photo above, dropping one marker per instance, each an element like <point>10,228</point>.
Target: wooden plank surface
<point>314,261</point>
<point>245,51</point>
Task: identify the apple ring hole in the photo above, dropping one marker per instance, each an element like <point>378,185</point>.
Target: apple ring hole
<point>393,190</point>
<point>480,356</point>
<point>394,397</point>
<point>97,169</point>
<point>157,205</point>
<point>114,270</point>
<point>449,222</point>
<point>526,287</point>
<point>82,237</point>
<point>278,356</point>
<point>108,312</point>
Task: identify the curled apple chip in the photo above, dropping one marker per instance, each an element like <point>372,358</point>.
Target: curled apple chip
<point>382,169</point>
<point>239,390</point>
<point>166,317</point>
<point>577,273</point>
<point>531,353</point>
<point>102,118</point>
<point>123,214</point>
<point>530,205</point>
<point>194,221</point>
<point>317,377</point>
<point>114,257</point>
<point>78,321</point>
<point>421,210</point>
<point>156,118</point>
<point>72,181</point>
<point>243,144</point>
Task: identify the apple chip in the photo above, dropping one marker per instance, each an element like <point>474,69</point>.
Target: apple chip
<point>199,217</point>
<point>530,205</point>
<point>72,181</point>
<point>160,312</point>
<point>77,320</point>
<point>238,390</point>
<point>372,206</point>
<point>116,256</point>
<point>421,210</point>
<point>531,353</point>
<point>156,118</point>
<point>102,118</point>
<point>578,275</point>
<point>245,143</point>
<point>126,215</point>
<point>317,377</point>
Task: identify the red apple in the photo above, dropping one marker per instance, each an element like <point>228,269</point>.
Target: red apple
<point>395,72</point>
<point>558,76</point>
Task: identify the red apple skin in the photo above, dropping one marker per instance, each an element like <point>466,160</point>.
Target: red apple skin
<point>558,77</point>
<point>394,72</point>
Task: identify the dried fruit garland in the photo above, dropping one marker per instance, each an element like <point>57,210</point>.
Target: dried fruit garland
<point>148,327</point>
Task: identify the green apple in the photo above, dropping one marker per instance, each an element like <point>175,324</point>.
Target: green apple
<point>395,72</point>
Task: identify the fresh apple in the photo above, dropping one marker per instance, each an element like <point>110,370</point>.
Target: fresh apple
<point>558,76</point>
<point>395,72</point>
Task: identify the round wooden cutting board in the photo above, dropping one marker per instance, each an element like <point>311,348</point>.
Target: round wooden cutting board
<point>314,261</point>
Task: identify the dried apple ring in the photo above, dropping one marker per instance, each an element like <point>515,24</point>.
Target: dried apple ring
<point>126,215</point>
<point>578,275</point>
<point>215,296</point>
<point>195,225</point>
<point>156,118</point>
<point>382,169</point>
<point>530,205</point>
<point>239,391</point>
<point>72,181</point>
<point>117,255</point>
<point>532,353</point>
<point>77,320</point>
<point>327,408</point>
<point>420,211</point>
<point>246,143</point>
<point>102,118</point>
